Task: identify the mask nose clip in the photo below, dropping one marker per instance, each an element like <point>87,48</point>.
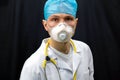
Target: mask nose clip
<point>63,24</point>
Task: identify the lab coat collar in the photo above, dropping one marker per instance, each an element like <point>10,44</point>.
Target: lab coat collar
<point>60,63</point>
<point>76,62</point>
<point>76,57</point>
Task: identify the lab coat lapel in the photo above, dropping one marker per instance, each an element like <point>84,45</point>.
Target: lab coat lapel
<point>76,62</point>
<point>62,65</point>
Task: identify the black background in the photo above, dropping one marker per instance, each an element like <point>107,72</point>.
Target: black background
<point>21,33</point>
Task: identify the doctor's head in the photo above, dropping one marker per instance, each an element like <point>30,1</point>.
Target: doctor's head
<point>60,19</point>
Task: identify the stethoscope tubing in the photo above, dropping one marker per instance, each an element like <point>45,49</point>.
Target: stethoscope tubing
<point>56,69</point>
<point>53,61</point>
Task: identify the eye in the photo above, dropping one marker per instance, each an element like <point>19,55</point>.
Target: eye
<point>55,19</point>
<point>69,19</point>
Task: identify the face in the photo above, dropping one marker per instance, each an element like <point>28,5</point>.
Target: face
<point>55,19</point>
<point>61,27</point>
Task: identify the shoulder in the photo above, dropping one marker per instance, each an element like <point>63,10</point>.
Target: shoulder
<point>38,56</point>
<point>36,59</point>
<point>80,44</point>
<point>82,48</point>
<point>32,66</point>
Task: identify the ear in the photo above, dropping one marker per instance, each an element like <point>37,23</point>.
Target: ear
<point>76,20</point>
<point>44,22</point>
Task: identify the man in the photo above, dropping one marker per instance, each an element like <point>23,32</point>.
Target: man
<point>60,57</point>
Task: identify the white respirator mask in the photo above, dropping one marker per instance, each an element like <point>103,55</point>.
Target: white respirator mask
<point>62,32</point>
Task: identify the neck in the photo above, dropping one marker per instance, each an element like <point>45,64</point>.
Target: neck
<point>63,47</point>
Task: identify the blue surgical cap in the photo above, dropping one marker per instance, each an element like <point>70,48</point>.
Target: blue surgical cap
<point>60,6</point>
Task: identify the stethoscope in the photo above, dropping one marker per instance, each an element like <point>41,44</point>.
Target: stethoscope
<point>47,58</point>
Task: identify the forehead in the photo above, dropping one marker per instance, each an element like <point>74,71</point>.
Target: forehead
<point>61,15</point>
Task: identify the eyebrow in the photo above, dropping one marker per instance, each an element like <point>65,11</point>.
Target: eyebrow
<point>54,16</point>
<point>58,16</point>
<point>70,16</point>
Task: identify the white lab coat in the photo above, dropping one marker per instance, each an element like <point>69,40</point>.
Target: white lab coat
<point>82,63</point>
